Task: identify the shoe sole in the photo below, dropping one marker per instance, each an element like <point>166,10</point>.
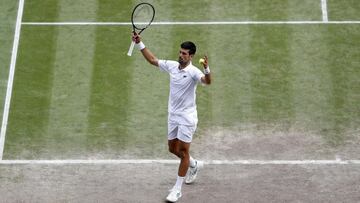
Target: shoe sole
<point>167,200</point>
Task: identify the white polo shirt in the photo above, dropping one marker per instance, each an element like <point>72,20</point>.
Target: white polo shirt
<point>182,97</point>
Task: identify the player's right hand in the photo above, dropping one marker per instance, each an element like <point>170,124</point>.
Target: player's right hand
<point>136,38</point>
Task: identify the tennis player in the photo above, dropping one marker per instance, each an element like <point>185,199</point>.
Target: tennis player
<point>182,113</point>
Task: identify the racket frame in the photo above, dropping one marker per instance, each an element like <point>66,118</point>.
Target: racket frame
<point>132,45</point>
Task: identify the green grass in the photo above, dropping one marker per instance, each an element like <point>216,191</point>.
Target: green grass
<point>77,95</point>
<point>8,11</point>
<point>32,90</point>
<point>206,10</point>
<point>343,10</point>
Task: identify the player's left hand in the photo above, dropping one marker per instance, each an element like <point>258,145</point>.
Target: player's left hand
<point>206,62</point>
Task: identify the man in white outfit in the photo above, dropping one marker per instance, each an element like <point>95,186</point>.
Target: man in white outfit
<point>182,117</point>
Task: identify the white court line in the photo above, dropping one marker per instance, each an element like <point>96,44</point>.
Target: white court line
<point>11,77</point>
<point>195,23</point>
<point>324,10</point>
<point>167,161</point>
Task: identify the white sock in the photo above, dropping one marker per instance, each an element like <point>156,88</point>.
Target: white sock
<point>192,162</point>
<point>179,182</point>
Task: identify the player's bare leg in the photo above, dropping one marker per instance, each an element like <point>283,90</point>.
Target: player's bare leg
<point>181,150</point>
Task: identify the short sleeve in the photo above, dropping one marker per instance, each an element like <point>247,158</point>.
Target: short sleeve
<point>164,65</point>
<point>196,74</point>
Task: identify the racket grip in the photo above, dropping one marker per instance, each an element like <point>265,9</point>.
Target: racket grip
<point>131,48</point>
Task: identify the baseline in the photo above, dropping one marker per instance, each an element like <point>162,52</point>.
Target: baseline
<point>170,161</point>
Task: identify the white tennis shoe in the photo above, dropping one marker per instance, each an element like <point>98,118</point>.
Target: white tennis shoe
<point>193,171</point>
<point>174,195</point>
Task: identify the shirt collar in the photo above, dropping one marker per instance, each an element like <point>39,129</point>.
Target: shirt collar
<point>186,68</point>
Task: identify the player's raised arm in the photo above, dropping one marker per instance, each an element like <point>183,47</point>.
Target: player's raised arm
<point>148,55</point>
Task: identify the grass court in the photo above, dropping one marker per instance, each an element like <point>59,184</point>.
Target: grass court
<point>85,122</point>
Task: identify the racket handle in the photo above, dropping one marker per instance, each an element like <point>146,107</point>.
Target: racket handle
<point>131,48</point>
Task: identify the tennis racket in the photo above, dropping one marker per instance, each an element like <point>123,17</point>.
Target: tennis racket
<point>141,18</point>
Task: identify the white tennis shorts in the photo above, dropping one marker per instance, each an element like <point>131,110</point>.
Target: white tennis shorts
<point>182,132</point>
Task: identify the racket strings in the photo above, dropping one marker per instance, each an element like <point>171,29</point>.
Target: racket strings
<point>143,16</point>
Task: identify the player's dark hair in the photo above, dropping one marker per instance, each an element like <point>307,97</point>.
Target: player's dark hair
<point>189,46</point>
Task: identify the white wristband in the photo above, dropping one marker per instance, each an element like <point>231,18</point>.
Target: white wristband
<point>207,70</point>
<point>141,45</point>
